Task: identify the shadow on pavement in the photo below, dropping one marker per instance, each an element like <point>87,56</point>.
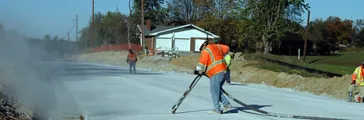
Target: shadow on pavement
<point>235,84</point>
<point>233,110</point>
<point>193,111</point>
<point>243,109</point>
<point>103,73</point>
<point>91,68</point>
<point>252,106</point>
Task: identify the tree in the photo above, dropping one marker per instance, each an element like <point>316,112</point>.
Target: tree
<point>114,27</point>
<point>55,38</point>
<point>215,16</point>
<point>338,32</point>
<point>359,25</point>
<point>316,31</point>
<point>153,10</point>
<point>85,38</point>
<point>182,11</point>
<point>268,18</point>
<point>110,28</point>
<point>328,34</point>
<point>359,41</point>
<point>47,37</point>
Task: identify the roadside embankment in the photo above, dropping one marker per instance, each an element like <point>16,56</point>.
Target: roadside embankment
<point>242,71</point>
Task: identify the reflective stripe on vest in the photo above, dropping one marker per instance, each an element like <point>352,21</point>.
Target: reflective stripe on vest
<point>359,79</point>
<point>217,62</point>
<point>132,57</point>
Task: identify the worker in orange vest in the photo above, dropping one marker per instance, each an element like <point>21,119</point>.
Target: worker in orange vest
<point>132,59</point>
<point>357,81</point>
<point>212,65</point>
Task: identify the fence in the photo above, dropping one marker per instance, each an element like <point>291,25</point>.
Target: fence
<point>120,47</point>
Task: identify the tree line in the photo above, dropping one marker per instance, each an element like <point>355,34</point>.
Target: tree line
<point>249,25</point>
<point>245,25</point>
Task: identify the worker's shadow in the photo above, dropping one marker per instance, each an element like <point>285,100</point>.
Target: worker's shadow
<point>232,110</point>
<point>245,109</point>
<point>237,84</point>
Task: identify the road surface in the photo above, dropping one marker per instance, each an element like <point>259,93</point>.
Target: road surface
<point>106,92</point>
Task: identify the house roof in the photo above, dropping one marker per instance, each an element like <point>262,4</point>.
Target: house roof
<point>154,29</point>
<point>161,29</point>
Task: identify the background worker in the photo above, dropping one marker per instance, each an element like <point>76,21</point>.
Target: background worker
<point>211,64</point>
<point>357,81</point>
<point>228,66</point>
<point>131,59</point>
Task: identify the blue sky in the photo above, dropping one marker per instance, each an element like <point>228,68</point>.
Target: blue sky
<point>35,18</point>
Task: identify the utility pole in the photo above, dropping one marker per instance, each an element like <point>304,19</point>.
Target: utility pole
<point>306,36</point>
<point>68,36</point>
<point>143,42</point>
<point>76,28</point>
<point>93,25</point>
<point>129,24</point>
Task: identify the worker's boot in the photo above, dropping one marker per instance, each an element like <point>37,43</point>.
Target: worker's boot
<point>227,108</point>
<point>350,96</point>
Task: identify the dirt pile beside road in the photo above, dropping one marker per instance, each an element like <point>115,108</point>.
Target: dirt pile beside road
<point>241,71</point>
<point>9,107</point>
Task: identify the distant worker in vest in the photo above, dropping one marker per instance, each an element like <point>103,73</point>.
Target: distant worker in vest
<point>228,66</point>
<point>132,59</point>
<point>212,65</point>
<point>357,81</point>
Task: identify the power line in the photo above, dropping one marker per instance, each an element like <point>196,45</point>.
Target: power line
<point>74,23</point>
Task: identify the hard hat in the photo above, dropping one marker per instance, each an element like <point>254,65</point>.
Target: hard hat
<point>216,40</point>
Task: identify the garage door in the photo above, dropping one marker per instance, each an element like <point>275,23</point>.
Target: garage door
<point>183,44</point>
<point>198,43</point>
<point>163,43</point>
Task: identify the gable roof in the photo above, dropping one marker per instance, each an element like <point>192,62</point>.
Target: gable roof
<point>154,29</point>
<point>161,29</point>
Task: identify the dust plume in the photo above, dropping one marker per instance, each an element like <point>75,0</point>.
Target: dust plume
<point>29,78</point>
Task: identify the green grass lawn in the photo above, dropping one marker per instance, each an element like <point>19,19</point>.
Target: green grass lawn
<point>341,63</point>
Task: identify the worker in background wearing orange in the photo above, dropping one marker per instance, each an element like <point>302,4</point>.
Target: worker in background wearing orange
<point>357,81</point>
<point>132,59</point>
<point>212,65</point>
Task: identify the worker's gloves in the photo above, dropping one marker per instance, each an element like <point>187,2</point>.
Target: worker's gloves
<point>196,72</point>
<point>353,82</point>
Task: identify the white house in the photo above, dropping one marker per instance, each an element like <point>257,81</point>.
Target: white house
<point>187,38</point>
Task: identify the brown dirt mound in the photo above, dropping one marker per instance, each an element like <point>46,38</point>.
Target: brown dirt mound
<point>240,72</point>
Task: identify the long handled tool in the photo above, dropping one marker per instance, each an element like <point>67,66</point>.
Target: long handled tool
<point>176,105</point>
<point>276,114</point>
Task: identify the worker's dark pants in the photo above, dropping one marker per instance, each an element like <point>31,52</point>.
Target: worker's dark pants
<point>132,65</point>
<point>227,76</point>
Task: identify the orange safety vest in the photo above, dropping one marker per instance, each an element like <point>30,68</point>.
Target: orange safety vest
<point>358,76</point>
<point>132,57</point>
<point>212,59</point>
